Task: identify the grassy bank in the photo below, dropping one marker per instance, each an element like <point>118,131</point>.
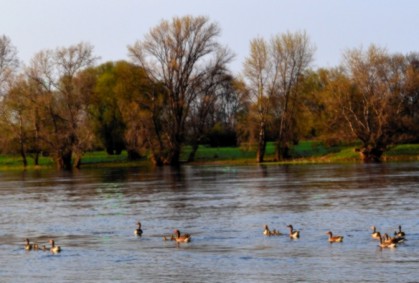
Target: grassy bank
<point>304,152</point>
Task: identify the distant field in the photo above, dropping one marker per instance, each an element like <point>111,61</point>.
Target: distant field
<point>306,151</point>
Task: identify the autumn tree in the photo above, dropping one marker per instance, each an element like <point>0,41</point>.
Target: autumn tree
<point>411,98</point>
<point>121,107</point>
<point>66,132</point>
<point>262,82</point>
<point>19,112</point>
<point>292,54</point>
<point>374,99</point>
<point>15,120</point>
<point>8,63</point>
<point>180,55</point>
<point>103,108</point>
<point>274,71</point>
<point>206,109</point>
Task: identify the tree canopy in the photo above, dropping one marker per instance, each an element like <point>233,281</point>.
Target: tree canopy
<point>177,90</point>
<point>182,55</point>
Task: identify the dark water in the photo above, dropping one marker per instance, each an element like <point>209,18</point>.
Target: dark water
<point>92,214</point>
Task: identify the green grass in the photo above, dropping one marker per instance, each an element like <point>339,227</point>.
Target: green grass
<point>94,157</point>
<point>304,152</point>
<point>89,159</point>
<point>15,161</point>
<point>404,149</point>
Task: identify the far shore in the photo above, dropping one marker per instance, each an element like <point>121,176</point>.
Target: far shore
<point>305,153</point>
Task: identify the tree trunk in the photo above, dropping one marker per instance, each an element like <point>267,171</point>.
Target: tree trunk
<point>156,160</point>
<point>282,148</point>
<point>36,158</point>
<point>191,156</point>
<point>23,154</point>
<point>133,155</point>
<point>22,143</point>
<point>77,161</point>
<point>67,162</point>
<point>371,154</point>
<point>282,151</point>
<point>260,154</point>
<point>63,160</point>
<point>174,157</point>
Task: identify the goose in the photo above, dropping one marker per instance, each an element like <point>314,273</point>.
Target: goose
<point>375,234</point>
<point>171,238</point>
<point>185,238</point>
<point>138,231</point>
<point>400,234</point>
<point>28,245</point>
<point>276,233</point>
<point>394,240</point>
<point>267,232</point>
<point>334,239</point>
<point>54,249</point>
<point>385,244</point>
<point>294,234</point>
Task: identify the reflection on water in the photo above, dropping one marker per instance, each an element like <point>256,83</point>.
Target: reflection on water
<point>92,215</point>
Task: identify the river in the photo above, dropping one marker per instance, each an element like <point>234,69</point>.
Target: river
<point>92,214</point>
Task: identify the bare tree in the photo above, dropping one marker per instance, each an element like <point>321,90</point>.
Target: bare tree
<point>411,98</point>
<point>204,110</point>
<point>292,54</point>
<point>55,72</point>
<point>8,62</point>
<point>273,71</point>
<point>262,80</point>
<point>179,54</point>
<point>374,107</point>
<point>15,119</point>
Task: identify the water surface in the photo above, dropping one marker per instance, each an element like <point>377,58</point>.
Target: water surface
<point>92,214</point>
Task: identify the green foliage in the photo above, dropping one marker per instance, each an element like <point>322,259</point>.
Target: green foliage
<point>219,135</point>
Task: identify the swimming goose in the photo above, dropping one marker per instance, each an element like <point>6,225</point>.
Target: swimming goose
<point>54,248</point>
<point>171,238</point>
<point>294,234</point>
<point>185,238</point>
<point>267,232</point>
<point>28,245</point>
<point>400,234</point>
<point>334,239</point>
<point>375,234</point>
<point>385,244</point>
<point>138,231</point>
<point>394,240</point>
<point>276,233</point>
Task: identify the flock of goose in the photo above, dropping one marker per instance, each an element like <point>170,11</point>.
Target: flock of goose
<point>35,246</point>
<point>385,240</point>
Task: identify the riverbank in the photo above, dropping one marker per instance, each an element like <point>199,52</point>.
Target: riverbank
<point>304,152</point>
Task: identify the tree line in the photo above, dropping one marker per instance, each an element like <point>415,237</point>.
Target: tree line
<point>177,90</point>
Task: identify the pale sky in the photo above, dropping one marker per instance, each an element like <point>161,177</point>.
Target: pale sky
<point>111,25</point>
